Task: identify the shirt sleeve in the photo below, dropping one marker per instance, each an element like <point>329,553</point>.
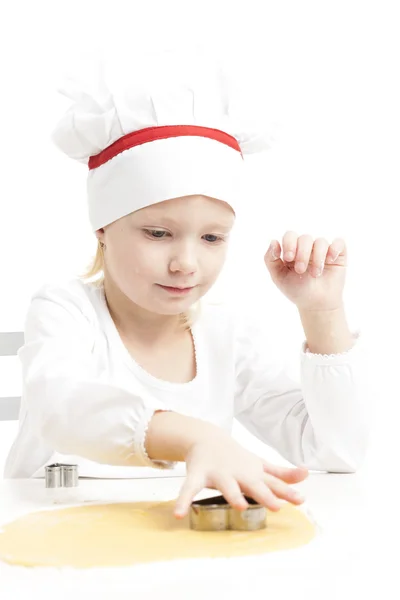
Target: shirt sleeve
<point>66,397</point>
<point>318,419</point>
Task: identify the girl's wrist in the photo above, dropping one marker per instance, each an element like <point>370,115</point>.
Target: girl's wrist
<point>171,436</point>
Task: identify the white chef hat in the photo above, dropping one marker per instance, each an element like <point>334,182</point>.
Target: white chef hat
<point>155,127</point>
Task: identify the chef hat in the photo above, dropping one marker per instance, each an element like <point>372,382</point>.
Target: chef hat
<point>155,127</point>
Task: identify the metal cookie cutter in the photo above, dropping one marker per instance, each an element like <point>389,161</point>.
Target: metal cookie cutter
<point>215,514</point>
<point>61,476</point>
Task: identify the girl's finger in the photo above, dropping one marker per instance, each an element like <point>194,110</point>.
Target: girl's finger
<point>261,493</point>
<point>232,493</point>
<point>319,255</point>
<point>191,487</point>
<point>286,474</point>
<point>283,491</point>
<point>304,250</point>
<point>337,249</point>
<point>273,259</point>
<point>274,252</point>
<point>289,246</point>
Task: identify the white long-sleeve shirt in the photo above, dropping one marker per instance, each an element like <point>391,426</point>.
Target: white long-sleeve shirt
<point>87,400</point>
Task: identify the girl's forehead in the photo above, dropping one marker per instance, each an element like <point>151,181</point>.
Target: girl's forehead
<point>178,210</point>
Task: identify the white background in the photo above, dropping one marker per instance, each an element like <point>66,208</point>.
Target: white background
<point>328,72</point>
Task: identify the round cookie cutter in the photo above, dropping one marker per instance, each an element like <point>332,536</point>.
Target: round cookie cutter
<point>215,514</point>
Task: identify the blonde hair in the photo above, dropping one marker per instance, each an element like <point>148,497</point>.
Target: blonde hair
<point>95,274</point>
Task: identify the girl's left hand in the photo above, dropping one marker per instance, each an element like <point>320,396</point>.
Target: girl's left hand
<point>311,274</point>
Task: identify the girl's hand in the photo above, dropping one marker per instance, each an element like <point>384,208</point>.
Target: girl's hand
<point>311,274</point>
<point>222,464</point>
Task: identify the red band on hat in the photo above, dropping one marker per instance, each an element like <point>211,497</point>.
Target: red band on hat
<point>150,134</point>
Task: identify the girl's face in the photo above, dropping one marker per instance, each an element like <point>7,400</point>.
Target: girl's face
<point>179,243</point>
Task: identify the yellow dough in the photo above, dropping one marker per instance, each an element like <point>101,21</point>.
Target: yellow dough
<point>110,535</point>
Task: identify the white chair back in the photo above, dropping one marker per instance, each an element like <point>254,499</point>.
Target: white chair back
<point>10,342</point>
<point>10,391</point>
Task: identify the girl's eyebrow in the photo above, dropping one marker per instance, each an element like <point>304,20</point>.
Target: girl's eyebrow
<point>168,222</point>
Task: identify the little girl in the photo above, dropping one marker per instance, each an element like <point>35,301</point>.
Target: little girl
<point>130,371</point>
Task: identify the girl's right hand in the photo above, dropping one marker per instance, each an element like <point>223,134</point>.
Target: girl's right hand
<point>221,463</point>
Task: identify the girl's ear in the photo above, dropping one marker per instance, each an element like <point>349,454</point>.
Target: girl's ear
<point>100,235</point>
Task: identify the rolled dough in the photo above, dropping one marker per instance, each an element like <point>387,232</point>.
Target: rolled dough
<point>111,535</point>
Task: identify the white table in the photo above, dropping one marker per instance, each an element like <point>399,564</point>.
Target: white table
<point>349,557</point>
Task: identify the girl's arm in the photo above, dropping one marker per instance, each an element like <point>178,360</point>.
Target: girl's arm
<point>318,419</point>
<point>67,400</point>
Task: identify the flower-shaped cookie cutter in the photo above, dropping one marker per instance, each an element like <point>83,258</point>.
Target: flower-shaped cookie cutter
<point>61,475</point>
<point>215,514</point>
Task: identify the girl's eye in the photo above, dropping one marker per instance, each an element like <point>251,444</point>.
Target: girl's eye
<point>156,233</point>
<point>209,237</point>
<point>160,234</point>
